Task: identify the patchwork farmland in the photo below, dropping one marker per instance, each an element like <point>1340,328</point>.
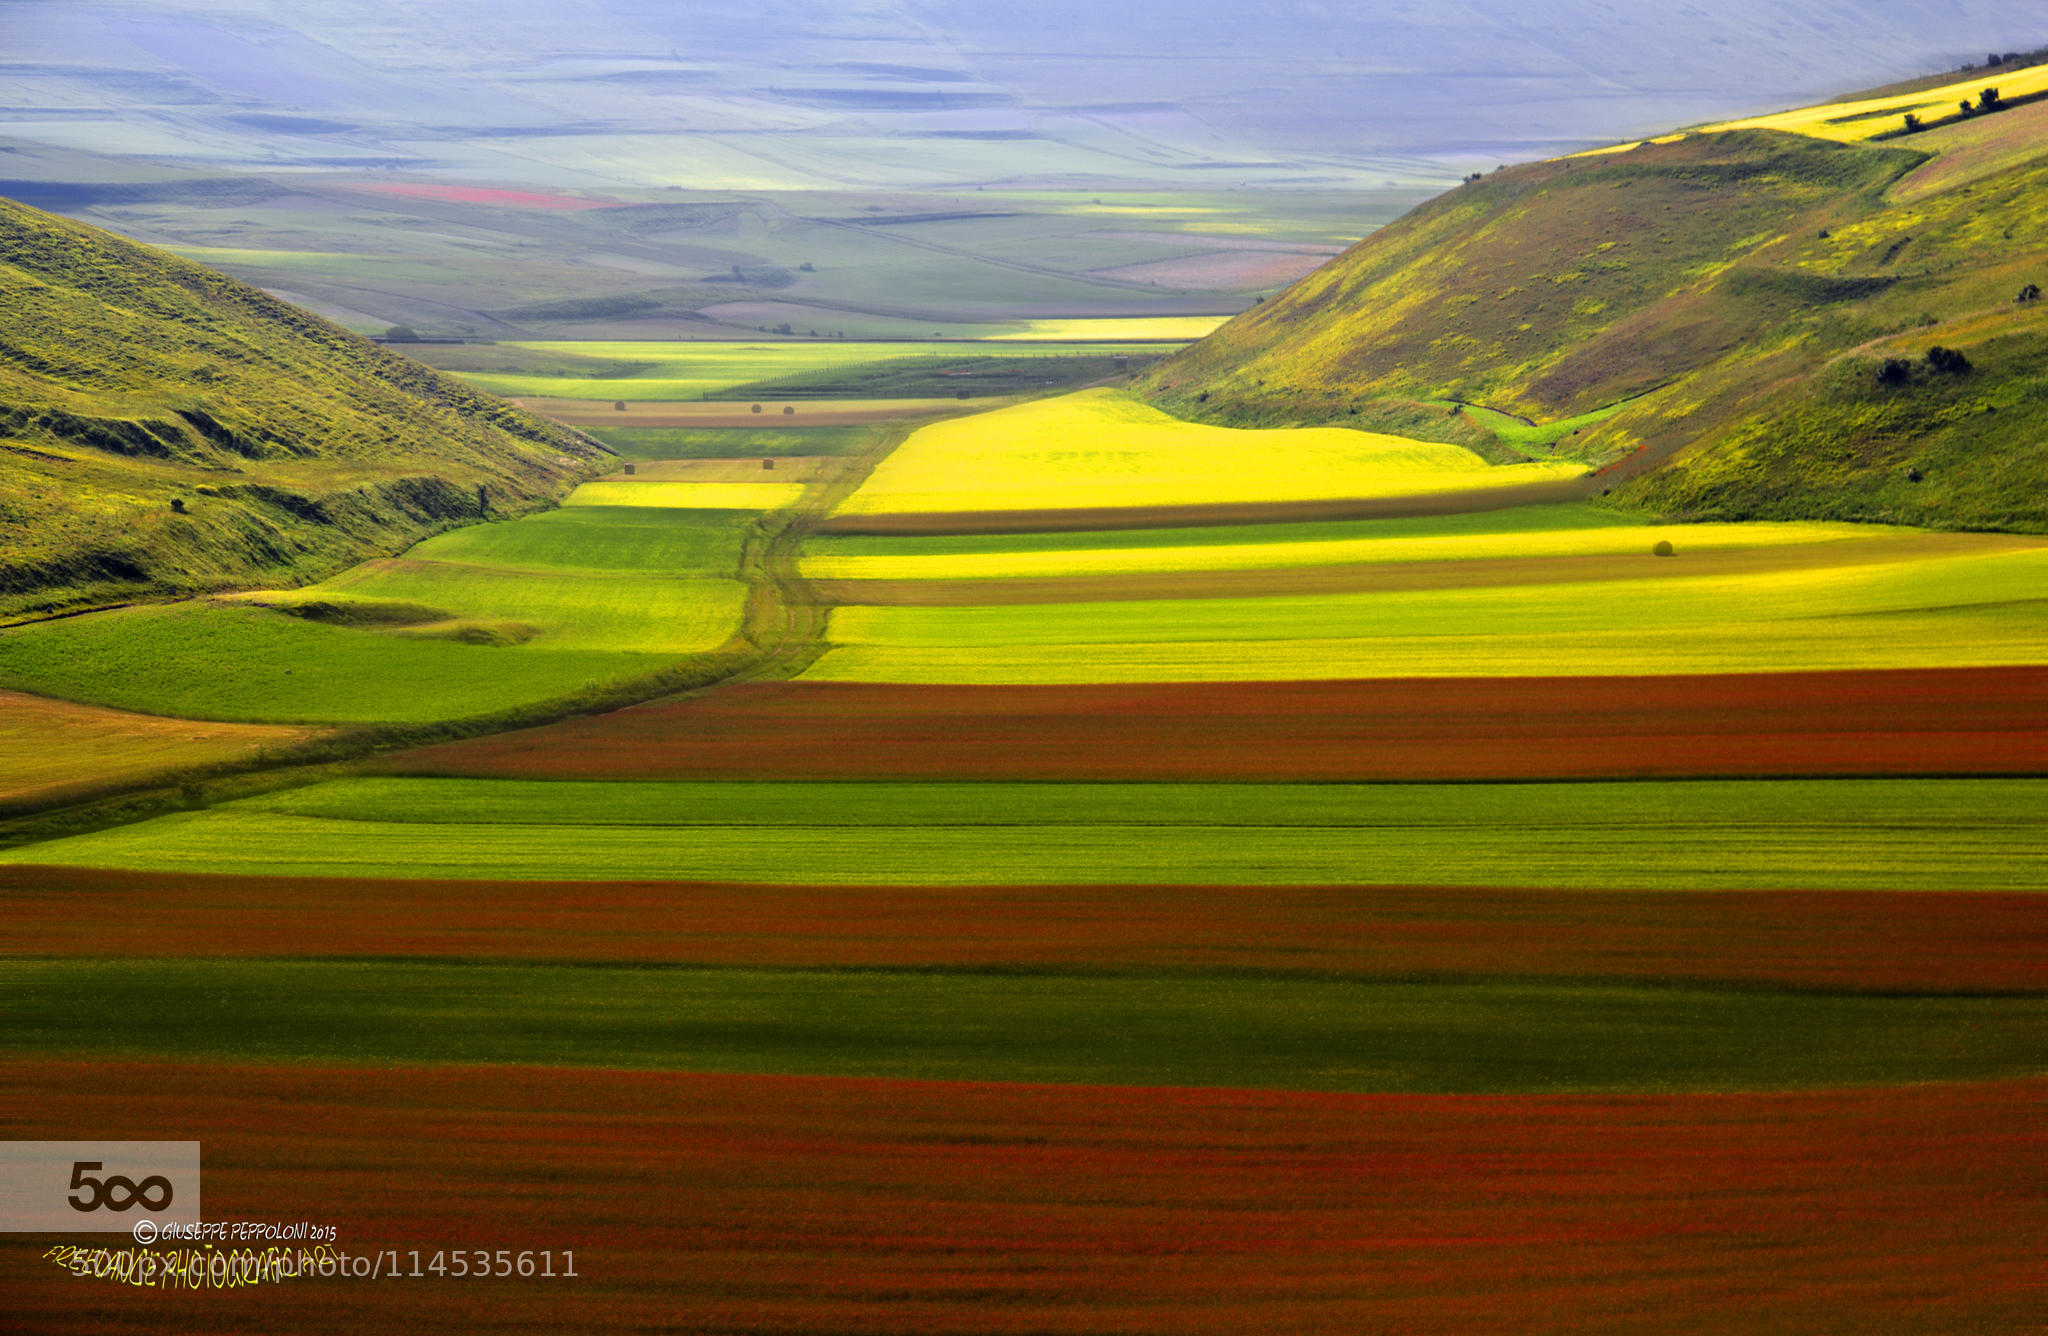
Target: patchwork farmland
<point>1791,898</point>
<point>1021,859</point>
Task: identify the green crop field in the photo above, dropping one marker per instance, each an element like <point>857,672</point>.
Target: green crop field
<point>687,495</point>
<point>1932,835</point>
<point>1935,612</point>
<point>1100,449</point>
<point>684,371</point>
<point>480,620</point>
<point>599,539</point>
<point>643,443</point>
<point>1181,1030</point>
<point>208,661</point>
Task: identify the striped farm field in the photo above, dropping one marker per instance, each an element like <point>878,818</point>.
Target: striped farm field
<point>1988,721</point>
<point>1534,533</point>
<point>1098,449</point>
<point>1180,1028</point>
<point>488,618</point>
<point>1979,835</point>
<point>690,370</point>
<point>818,1206</point>
<point>1860,941</point>
<point>1976,610</point>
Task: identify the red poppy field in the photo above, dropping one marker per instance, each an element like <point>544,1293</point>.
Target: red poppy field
<point>739,1204</point>
<point>1960,942</point>
<point>1991,721</point>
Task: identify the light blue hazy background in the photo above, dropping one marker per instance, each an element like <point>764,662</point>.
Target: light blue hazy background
<point>939,94</point>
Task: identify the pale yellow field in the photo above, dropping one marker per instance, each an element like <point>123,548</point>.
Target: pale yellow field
<point>1853,122</point>
<point>1100,449</point>
<point>48,747</point>
<point>688,495</point>
<point>1142,328</point>
<point>1617,541</point>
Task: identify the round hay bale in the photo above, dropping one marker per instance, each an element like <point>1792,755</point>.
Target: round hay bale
<point>1663,548</point>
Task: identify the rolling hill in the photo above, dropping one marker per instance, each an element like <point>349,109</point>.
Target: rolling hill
<point>1733,323</point>
<point>165,430</point>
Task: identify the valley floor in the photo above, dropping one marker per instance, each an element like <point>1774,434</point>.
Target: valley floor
<point>1433,922</point>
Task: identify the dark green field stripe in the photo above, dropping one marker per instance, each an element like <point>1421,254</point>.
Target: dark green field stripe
<point>1314,1034</point>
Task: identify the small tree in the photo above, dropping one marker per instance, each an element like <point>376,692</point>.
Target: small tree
<point>1913,124</point>
<point>1895,372</point>
<point>401,334</point>
<point>1969,108</point>
<point>2029,294</point>
<point>1991,101</point>
<point>178,504</point>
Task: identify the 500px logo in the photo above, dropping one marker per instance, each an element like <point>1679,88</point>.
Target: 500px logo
<point>98,1187</point>
<point>116,1193</point>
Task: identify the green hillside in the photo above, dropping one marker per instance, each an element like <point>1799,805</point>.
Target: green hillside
<point>1710,318</point>
<point>165,429</point>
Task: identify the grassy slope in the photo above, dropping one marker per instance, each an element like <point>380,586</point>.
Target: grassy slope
<point>130,378</point>
<point>1754,281</point>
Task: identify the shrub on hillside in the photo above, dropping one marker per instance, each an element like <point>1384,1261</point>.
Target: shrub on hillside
<point>1895,371</point>
<point>1948,361</point>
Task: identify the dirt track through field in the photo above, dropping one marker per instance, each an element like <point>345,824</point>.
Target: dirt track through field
<point>1861,941</point>
<point>1989,721</point>
<point>735,1203</point>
